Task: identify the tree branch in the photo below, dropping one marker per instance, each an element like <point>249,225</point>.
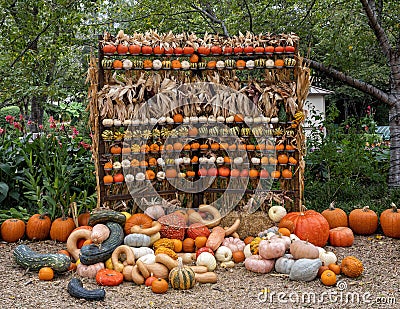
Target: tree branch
<point>307,14</point>
<point>250,16</point>
<point>213,18</point>
<point>377,28</point>
<point>353,82</point>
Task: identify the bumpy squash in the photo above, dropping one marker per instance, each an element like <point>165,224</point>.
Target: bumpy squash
<point>75,289</point>
<point>197,229</point>
<point>235,244</point>
<point>172,226</point>
<point>103,216</point>
<point>137,240</point>
<point>182,277</point>
<point>164,242</point>
<point>27,258</point>
<point>305,269</point>
<point>92,253</point>
<point>166,251</point>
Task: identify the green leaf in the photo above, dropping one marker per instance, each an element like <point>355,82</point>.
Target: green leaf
<point>3,191</point>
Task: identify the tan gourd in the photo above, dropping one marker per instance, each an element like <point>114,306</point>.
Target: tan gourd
<point>187,258</point>
<point>100,233</point>
<point>143,269</point>
<point>208,277</point>
<point>127,272</point>
<point>199,269</point>
<point>130,257</point>
<point>233,228</point>
<point>73,239</point>
<point>154,238</point>
<point>137,276</point>
<point>166,260</point>
<point>196,217</point>
<point>155,228</point>
<point>158,270</point>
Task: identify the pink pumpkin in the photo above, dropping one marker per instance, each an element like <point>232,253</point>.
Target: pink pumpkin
<point>268,249</point>
<point>257,264</point>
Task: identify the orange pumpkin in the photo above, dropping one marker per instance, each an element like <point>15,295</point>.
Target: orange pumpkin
<point>211,64</point>
<point>235,172</point>
<point>171,173</point>
<point>284,231</point>
<point>328,277</point>
<point>292,160</point>
<point>238,256</point>
<point>46,273</point>
<point>117,64</point>
<point>12,230</point>
<point>158,50</point>
<point>200,241</point>
<point>152,161</point>
<point>308,225</point>
<point>115,149</point>
<point>283,158</point>
<point>190,173</point>
<point>335,216</point>
<point>286,173</point>
<point>147,50</point>
<point>122,49</point>
<point>142,220</point>
<point>214,146</point>
<point>193,131</point>
<point>279,49</point>
<point>227,160</point>
<point>250,147</point>
<point>134,49</point>
<point>178,245</point>
<point>178,146</point>
<point>176,64</point>
<point>363,221</point>
<point>178,118</point>
<point>61,228</point>
<point>223,171</point>
<point>289,147</point>
<point>108,179</point>
<point>38,227</point>
<point>341,237</point>
<point>335,268</point>
<point>109,49</point>
<point>264,174</point>
<point>269,49</point>
<point>118,178</point>
<point>195,146</point>
<point>253,173</point>
<point>194,58</point>
<point>238,118</point>
<point>195,159</point>
<point>248,239</point>
<point>390,222</point>
<point>150,175</point>
<point>280,147</point>
<point>187,147</point>
<point>275,174</point>
<point>240,64</point>
<point>188,245</point>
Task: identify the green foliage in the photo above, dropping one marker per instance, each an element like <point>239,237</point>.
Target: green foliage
<point>14,213</point>
<point>5,111</point>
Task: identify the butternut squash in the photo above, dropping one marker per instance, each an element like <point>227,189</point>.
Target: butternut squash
<point>155,228</point>
<point>166,260</point>
<point>127,272</point>
<point>158,270</point>
<point>196,217</point>
<point>143,269</point>
<point>208,277</point>
<point>137,276</point>
<point>233,228</point>
<point>199,269</point>
<point>216,238</point>
<point>100,233</point>
<point>72,240</point>
<point>130,257</point>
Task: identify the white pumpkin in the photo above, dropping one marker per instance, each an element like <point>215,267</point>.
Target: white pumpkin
<point>327,258</point>
<point>141,251</point>
<point>223,254</point>
<point>294,237</point>
<point>320,249</point>
<point>148,259</point>
<point>247,251</point>
<point>276,213</point>
<point>206,259</point>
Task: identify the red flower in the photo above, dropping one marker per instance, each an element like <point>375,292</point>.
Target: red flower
<point>10,119</point>
<point>1,131</point>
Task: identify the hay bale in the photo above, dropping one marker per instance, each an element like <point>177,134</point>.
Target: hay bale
<point>250,223</point>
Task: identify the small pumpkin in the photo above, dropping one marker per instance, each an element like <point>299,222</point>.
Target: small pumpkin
<point>206,259</point>
<point>327,258</point>
<point>182,277</point>
<point>269,249</point>
<point>12,230</point>
<point>238,256</point>
<point>159,286</point>
<point>188,245</point>
<point>200,241</point>
<point>83,218</point>
<point>341,237</point>
<point>351,267</point>
<point>223,254</point>
<point>335,268</point>
<point>390,222</point>
<point>109,277</point>
<point>335,216</point>
<point>328,277</point>
<point>363,221</point>
<point>257,264</point>
<point>38,227</point>
<point>61,228</point>
<point>142,220</point>
<point>46,274</point>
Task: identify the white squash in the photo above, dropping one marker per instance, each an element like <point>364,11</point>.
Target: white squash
<point>208,260</point>
<point>247,251</point>
<point>327,258</point>
<point>223,254</point>
<point>276,213</point>
<point>139,252</point>
<point>148,259</point>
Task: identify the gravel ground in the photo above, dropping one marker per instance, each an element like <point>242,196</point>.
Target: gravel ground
<point>238,288</point>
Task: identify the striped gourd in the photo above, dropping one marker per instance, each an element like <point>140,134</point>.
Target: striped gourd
<point>182,277</point>
<point>103,216</point>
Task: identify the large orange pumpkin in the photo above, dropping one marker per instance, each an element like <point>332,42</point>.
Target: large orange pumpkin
<point>142,220</point>
<point>61,228</point>
<point>38,227</point>
<point>307,225</point>
<point>341,236</point>
<point>335,216</point>
<point>363,221</point>
<point>12,230</point>
<point>390,222</point>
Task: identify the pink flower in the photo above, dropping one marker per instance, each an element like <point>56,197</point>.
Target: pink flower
<point>40,126</point>
<point>53,125</point>
<point>10,119</point>
<point>29,122</point>
<point>74,131</point>
<point>1,131</point>
<point>18,126</point>
<point>21,117</point>
<point>62,128</point>
<point>347,126</point>
<point>84,145</point>
<point>366,128</point>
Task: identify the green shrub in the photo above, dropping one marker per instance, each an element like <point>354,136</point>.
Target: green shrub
<point>5,111</point>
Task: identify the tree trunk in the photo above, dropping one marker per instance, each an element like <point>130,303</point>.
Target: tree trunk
<point>394,125</point>
<point>36,114</point>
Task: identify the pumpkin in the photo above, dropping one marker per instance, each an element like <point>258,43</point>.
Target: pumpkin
<point>154,212</point>
<point>200,241</point>
<point>305,269</point>
<point>238,256</point>
<point>335,216</point>
<point>203,50</point>
<point>130,257</point>
<point>284,264</point>
<point>178,245</point>
<point>38,227</point>
<point>327,257</point>
<point>257,264</point>
<point>235,244</point>
<point>109,277</point>
<point>46,274</point>
<point>335,268</point>
<point>268,249</point>
<point>188,245</point>
<point>341,237</point>
<point>172,226</point>
<point>363,221</point>
<point>147,50</point>
<point>240,64</point>
<point>284,231</point>
<point>248,240</point>
<point>206,259</point>
<point>216,238</point>
<point>12,230</point>
<point>303,250</point>
<point>328,277</point>
<point>307,225</point>
<point>182,277</point>
<point>75,289</point>
<point>100,233</point>
<point>351,267</point>
<point>321,270</point>
<point>159,286</point>
<point>390,222</point>
<point>142,220</point>
<point>149,280</point>
<point>137,240</point>
<point>108,179</point>
<point>89,271</point>
<point>223,254</point>
<point>83,218</point>
<point>117,64</point>
<point>283,239</point>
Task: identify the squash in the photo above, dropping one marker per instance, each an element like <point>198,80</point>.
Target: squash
<point>284,264</point>
<point>182,277</point>
<point>92,254</point>
<point>73,239</point>
<point>172,226</point>
<point>27,258</point>
<point>195,217</point>
<point>223,254</point>
<point>167,251</point>
<point>341,237</point>
<point>137,276</point>
<point>102,216</point>
<point>305,269</point>
<point>197,229</point>
<point>89,271</point>
<point>228,264</point>
<point>199,269</point>
<point>75,289</point>
<point>276,213</point>
<point>327,258</point>
<point>100,233</point>
<point>233,228</point>
<point>208,277</point>
<point>143,269</point>
<point>155,228</point>
<point>158,270</point>
<point>127,272</point>
<point>160,285</point>
<point>154,238</point>
<point>208,260</point>
<point>109,277</point>
<point>268,249</point>
<point>351,267</point>
<point>235,244</point>
<point>166,260</point>
<point>137,240</point>
<point>247,251</point>
<point>130,257</point>
<point>12,230</point>
<point>187,258</point>
<point>301,249</point>
<point>284,239</point>
<point>148,258</point>
<point>141,251</point>
<point>257,264</point>
<point>216,238</point>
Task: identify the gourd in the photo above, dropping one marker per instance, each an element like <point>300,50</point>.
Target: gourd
<point>223,254</point>
<point>208,277</point>
<point>257,264</point>
<point>235,244</point>
<point>75,289</point>
<point>167,251</point>
<point>166,260</point>
<point>216,238</point>
<point>89,271</point>
<point>164,242</point>
<point>284,264</point>
<point>199,269</point>
<point>102,216</point>
<point>197,229</point>
<point>268,249</point>
<point>301,249</point>
<point>276,213</point>
<point>127,272</point>
<point>327,258</point>
<point>233,228</point>
<point>182,277</point>
<point>187,258</point>
<point>196,217</point>
<point>130,257</point>
<point>137,276</point>
<point>148,258</point>
<point>247,251</point>
<point>228,264</point>
<point>109,277</point>
<point>100,233</point>
<point>155,212</point>
<point>143,269</point>
<point>27,258</point>
<point>73,239</point>
<point>158,270</point>
<point>284,239</point>
<point>172,226</point>
<point>141,251</point>
<point>351,267</point>
<point>208,260</point>
<point>92,254</point>
<point>155,228</point>
<point>154,238</point>
<point>137,240</point>
<point>305,269</point>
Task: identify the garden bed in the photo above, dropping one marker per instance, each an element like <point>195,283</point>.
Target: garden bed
<point>236,288</point>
